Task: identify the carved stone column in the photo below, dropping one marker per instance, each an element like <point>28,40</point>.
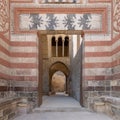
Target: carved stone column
<point>56,47</point>
<point>63,47</point>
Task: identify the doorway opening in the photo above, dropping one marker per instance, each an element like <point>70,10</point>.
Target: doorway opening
<point>56,63</point>
<point>58,78</point>
<point>58,83</point>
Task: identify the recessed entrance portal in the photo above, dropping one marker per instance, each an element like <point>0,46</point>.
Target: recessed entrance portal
<point>57,53</point>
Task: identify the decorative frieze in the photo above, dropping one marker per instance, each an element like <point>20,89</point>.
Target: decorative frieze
<point>116,16</point>
<point>4,15</point>
<point>51,21</point>
<point>90,20</point>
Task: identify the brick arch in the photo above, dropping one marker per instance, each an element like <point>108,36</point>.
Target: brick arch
<point>58,66</point>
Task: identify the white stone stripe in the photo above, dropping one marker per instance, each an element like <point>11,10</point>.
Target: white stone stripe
<point>94,37</point>
<point>4,44</point>
<point>116,56</point>
<point>116,69</point>
<point>4,56</point>
<point>97,59</point>
<point>24,72</point>
<point>116,44</point>
<point>3,82</point>
<point>98,49</point>
<point>98,71</point>
<point>25,83</point>
<point>24,49</point>
<point>4,70</point>
<point>24,38</point>
<point>23,60</point>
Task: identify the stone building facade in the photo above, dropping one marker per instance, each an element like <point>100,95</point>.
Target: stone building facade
<point>25,60</point>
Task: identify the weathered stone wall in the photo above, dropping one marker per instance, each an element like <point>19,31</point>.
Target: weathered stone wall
<point>105,96</point>
<point>9,109</point>
<point>115,83</point>
<point>75,75</point>
<point>97,63</point>
<point>98,72</point>
<point>5,72</point>
<point>24,57</point>
<point>24,65</point>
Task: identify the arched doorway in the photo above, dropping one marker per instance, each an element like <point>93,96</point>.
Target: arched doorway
<point>60,72</point>
<point>58,83</point>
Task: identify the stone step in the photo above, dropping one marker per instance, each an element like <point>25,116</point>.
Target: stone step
<point>59,109</point>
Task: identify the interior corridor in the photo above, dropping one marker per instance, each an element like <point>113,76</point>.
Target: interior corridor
<point>61,107</point>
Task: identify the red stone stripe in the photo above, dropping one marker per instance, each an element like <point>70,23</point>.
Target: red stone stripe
<point>24,44</point>
<point>116,50</point>
<point>4,76</point>
<point>7,88</point>
<point>102,77</point>
<point>25,89</point>
<point>7,41</point>
<point>98,43</point>
<point>97,1</point>
<point>90,88</point>
<point>97,54</point>
<point>116,76</point>
<point>116,62</point>
<point>21,1</point>
<point>3,88</point>
<point>98,65</point>
<point>4,50</point>
<point>24,65</point>
<point>116,88</point>
<point>97,88</point>
<point>117,38</point>
<point>4,62</point>
<point>25,55</point>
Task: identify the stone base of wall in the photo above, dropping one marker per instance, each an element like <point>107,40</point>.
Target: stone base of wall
<point>14,107</point>
<point>24,106</point>
<point>8,109</point>
<point>31,97</point>
<point>107,105</point>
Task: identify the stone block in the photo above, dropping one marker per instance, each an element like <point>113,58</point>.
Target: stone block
<point>7,111</point>
<point>5,117</point>
<point>108,110</point>
<point>11,116</point>
<point>113,83</point>
<point>99,106</point>
<point>116,112</point>
<point>1,113</point>
<point>22,109</point>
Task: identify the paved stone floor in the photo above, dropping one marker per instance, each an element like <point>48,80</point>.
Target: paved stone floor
<point>61,108</point>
